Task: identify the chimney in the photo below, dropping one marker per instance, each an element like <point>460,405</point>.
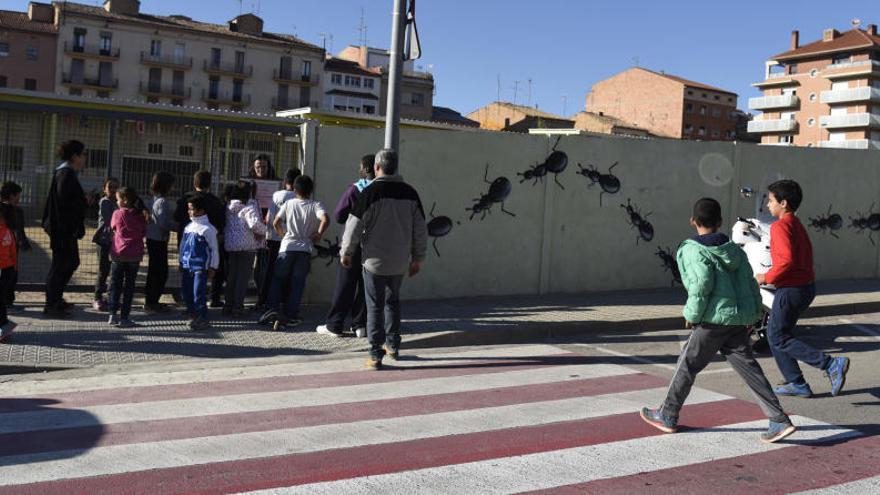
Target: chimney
<point>830,34</point>
<point>872,29</point>
<point>795,39</point>
<point>41,12</point>
<point>247,23</point>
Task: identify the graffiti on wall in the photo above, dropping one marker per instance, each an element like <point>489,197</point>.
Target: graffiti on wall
<point>499,190</point>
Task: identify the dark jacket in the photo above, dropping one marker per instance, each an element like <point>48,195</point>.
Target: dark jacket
<point>65,211</point>
<point>216,211</point>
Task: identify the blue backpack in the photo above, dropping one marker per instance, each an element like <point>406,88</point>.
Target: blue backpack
<point>194,252</point>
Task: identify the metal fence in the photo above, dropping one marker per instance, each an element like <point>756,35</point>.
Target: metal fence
<point>130,144</point>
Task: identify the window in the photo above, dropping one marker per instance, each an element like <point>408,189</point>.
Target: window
<point>79,39</point>
<point>216,55</point>
<point>152,99</point>
<point>32,53</point>
<point>106,43</point>
<point>704,95</point>
<point>4,50</point>
<point>688,129</point>
<point>177,103</point>
<point>185,151</point>
<point>336,78</point>
<point>840,58</point>
<point>3,81</point>
<point>717,97</point>
<point>812,97</point>
<point>702,131</point>
<point>179,53</point>
<point>353,81</point>
<point>786,139</point>
<point>14,157</point>
<point>702,109</point>
<point>369,109</point>
<point>237,86</point>
<point>814,73</point>
<point>716,112</point>
<point>30,84</point>
<point>306,70</point>
<point>729,99</point>
<point>75,92</point>
<point>213,87</point>
<point>154,148</point>
<point>417,99</point>
<point>156,48</point>
<point>811,122</point>
<point>716,133</point>
<point>368,83</point>
<point>690,93</point>
<point>689,107</point>
<point>793,69</point>
<point>239,62</point>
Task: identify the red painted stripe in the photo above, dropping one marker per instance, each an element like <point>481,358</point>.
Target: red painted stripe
<point>792,469</point>
<point>297,417</point>
<point>389,374</point>
<point>368,460</point>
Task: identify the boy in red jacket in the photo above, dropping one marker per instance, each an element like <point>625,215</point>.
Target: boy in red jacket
<point>792,274</point>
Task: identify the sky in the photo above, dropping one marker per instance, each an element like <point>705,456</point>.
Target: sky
<point>562,46</point>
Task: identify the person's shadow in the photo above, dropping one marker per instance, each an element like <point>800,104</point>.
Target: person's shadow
<point>67,432</point>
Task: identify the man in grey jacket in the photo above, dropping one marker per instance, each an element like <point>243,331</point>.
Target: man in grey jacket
<point>389,223</point>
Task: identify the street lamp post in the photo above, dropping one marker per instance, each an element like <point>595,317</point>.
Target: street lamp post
<point>395,73</point>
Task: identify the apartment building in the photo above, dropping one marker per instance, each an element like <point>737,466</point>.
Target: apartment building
<point>417,87</point>
<point>117,51</point>
<point>666,105</point>
<point>505,116</point>
<point>824,94</point>
<point>27,48</point>
<point>348,87</point>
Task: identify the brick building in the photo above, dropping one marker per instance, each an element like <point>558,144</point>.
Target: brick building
<point>504,116</point>
<point>825,93</point>
<point>28,43</point>
<point>604,124</point>
<point>666,105</point>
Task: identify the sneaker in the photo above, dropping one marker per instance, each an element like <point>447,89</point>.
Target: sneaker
<point>99,305</point>
<point>113,320</point>
<point>794,389</point>
<point>6,329</point>
<point>268,318</point>
<point>777,431</point>
<point>127,323</point>
<point>325,330</point>
<point>394,354</point>
<point>657,419</point>
<point>374,364</point>
<point>836,373</point>
<point>360,332</point>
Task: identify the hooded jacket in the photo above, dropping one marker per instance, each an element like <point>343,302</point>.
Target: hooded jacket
<point>245,231</point>
<point>719,281</point>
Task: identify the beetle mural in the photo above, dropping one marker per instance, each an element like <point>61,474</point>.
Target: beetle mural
<point>499,190</point>
<point>608,182</point>
<point>638,221</point>
<point>555,164</point>
<point>438,227</point>
<point>869,222</point>
<point>535,173</point>
<point>827,223</point>
<point>668,262</point>
<point>330,251</point>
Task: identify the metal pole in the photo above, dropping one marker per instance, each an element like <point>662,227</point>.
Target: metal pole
<point>395,73</point>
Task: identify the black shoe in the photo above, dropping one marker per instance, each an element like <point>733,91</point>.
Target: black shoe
<point>64,305</point>
<point>55,312</point>
<point>217,303</point>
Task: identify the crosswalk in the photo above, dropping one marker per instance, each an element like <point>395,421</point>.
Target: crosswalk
<point>525,419</point>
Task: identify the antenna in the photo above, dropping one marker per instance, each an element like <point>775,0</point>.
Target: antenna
<point>530,91</point>
<point>498,98</point>
<point>240,7</point>
<point>856,23</point>
<point>636,61</point>
<point>362,29</point>
<point>564,104</point>
<point>324,37</point>
<point>515,90</point>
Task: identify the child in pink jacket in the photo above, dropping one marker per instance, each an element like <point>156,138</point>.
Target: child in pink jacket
<point>129,225</point>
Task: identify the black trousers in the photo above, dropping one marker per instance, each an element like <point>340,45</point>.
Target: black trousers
<point>267,269</point>
<point>157,271</point>
<point>220,275</point>
<point>103,271</point>
<point>348,297</point>
<point>7,282</point>
<point>65,261</point>
<point>8,290</point>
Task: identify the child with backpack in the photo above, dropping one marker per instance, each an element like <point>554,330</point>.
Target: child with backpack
<point>245,234</point>
<point>8,254</point>
<point>199,259</point>
<point>129,226</point>
<point>104,239</point>
<point>10,194</point>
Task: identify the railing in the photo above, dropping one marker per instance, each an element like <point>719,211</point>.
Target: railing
<point>857,63</point>
<point>290,77</point>
<point>169,91</point>
<point>172,60</point>
<point>775,101</point>
<point>228,68</point>
<point>282,104</point>
<point>850,94</point>
<point>85,81</point>
<point>90,50</point>
<point>776,125</point>
<point>851,144</point>
<point>849,120</point>
<point>778,144</point>
<point>777,75</point>
<point>226,97</point>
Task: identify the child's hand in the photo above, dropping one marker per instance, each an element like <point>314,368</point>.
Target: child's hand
<point>760,278</point>
<point>688,325</point>
<point>345,261</point>
<point>211,273</point>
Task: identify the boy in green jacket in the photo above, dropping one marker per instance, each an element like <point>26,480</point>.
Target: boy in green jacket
<point>723,302</point>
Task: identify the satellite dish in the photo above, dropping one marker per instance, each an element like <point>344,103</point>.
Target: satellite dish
<point>856,22</point>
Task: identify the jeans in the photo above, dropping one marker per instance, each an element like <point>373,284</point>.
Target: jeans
<point>157,271</point>
<point>348,297</point>
<point>266,268</point>
<point>239,267</point>
<point>122,278</point>
<point>103,271</point>
<point>65,261</point>
<point>788,304</point>
<point>383,311</point>
<point>194,291</point>
<point>291,270</point>
<point>735,346</point>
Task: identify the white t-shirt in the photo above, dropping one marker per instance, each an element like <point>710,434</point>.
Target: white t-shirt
<point>278,199</point>
<point>301,217</point>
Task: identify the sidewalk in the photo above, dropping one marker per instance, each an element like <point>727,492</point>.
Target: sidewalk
<point>86,340</point>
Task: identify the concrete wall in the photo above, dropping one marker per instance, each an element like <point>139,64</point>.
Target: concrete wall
<point>562,240</point>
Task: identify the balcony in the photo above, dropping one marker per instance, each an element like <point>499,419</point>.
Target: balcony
<point>166,91</point>
<point>226,98</point>
<point>776,101</point>
<point>288,77</point>
<point>227,69</point>
<point>850,95</point>
<point>170,61</point>
<point>281,104</point>
<point>100,84</point>
<point>852,144</point>
<point>775,125</point>
<point>849,120</point>
<point>91,51</point>
<point>851,69</point>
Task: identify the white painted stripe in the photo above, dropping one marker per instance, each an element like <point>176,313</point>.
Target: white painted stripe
<point>165,454</point>
<point>207,373</point>
<point>185,408</point>
<point>577,465</point>
<point>867,485</point>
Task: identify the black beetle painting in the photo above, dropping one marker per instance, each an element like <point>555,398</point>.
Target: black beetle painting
<point>829,223</point>
<point>555,164</point>
<point>639,221</point>
<point>330,251</point>
<point>608,182</point>
<point>669,263</point>
<point>499,190</point>
<point>438,227</point>
<point>870,222</point>
<point>535,173</point>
